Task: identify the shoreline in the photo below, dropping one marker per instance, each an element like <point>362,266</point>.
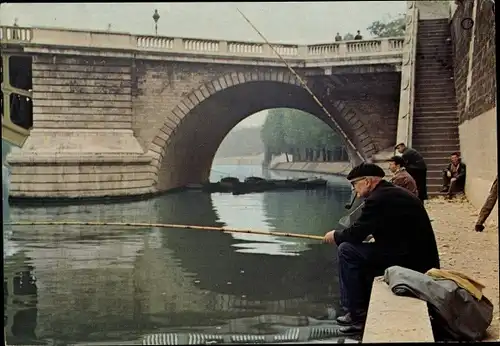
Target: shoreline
<point>330,168</point>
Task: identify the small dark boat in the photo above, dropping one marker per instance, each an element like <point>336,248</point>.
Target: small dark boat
<point>257,184</point>
<point>289,184</point>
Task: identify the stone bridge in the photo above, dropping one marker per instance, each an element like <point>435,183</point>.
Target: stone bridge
<point>118,114</point>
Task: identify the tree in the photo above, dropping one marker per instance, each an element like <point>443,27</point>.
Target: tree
<point>296,132</point>
<point>391,28</point>
<point>273,132</point>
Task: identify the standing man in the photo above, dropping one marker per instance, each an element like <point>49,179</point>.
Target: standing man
<point>358,36</point>
<point>488,206</point>
<point>401,177</point>
<point>415,165</point>
<point>338,38</point>
<point>403,236</point>
<point>454,175</point>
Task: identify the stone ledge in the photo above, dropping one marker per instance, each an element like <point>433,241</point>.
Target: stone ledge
<point>393,318</point>
<point>95,178</point>
<point>389,58</point>
<point>110,168</point>
<point>76,158</point>
<point>86,196</point>
<point>96,187</point>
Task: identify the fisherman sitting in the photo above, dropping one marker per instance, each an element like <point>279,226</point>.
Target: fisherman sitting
<point>403,236</point>
<point>454,175</point>
<point>400,176</point>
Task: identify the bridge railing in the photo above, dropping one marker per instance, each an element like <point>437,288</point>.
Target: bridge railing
<point>147,43</point>
<point>15,34</point>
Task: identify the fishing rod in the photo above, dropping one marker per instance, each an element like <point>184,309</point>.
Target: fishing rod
<point>163,225</point>
<point>304,85</point>
<point>172,225</point>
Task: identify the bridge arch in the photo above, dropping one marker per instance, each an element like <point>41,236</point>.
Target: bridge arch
<point>184,147</point>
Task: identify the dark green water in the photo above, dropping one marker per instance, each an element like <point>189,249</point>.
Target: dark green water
<point>81,283</point>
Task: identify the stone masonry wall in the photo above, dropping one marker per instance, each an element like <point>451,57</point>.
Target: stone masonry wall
<point>478,123</point>
<point>82,143</point>
<point>81,92</point>
<point>380,120</point>
<point>159,86</point>
<point>483,88</point>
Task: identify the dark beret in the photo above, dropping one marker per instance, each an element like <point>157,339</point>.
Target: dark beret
<point>366,170</point>
<point>398,160</point>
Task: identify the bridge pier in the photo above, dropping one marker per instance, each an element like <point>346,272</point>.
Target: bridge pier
<point>81,143</point>
<point>79,163</point>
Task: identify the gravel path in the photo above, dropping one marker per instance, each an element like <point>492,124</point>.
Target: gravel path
<point>463,249</point>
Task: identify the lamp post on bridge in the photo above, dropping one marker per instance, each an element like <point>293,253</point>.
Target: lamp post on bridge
<point>156,16</point>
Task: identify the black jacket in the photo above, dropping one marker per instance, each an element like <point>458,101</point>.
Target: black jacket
<point>462,169</point>
<point>400,225</point>
<point>413,159</point>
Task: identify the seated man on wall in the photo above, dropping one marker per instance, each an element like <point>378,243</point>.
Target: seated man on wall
<point>403,236</point>
<point>454,175</point>
<point>401,177</point>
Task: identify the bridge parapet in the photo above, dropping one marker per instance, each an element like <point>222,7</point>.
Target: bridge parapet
<point>193,46</point>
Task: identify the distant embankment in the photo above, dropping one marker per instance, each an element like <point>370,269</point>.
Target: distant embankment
<point>240,160</point>
<point>335,168</point>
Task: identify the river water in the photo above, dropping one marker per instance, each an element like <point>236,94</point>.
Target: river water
<point>100,284</point>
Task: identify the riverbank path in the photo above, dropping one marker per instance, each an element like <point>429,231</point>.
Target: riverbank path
<point>464,250</point>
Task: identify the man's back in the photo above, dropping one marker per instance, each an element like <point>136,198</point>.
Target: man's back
<point>406,181</point>
<point>414,159</point>
<point>401,228</point>
<point>406,230</point>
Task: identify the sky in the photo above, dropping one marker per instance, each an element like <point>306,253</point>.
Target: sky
<point>306,22</point>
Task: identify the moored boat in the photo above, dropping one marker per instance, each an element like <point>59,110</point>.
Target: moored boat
<point>257,184</point>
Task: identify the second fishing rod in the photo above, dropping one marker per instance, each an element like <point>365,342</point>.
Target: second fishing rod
<point>359,158</point>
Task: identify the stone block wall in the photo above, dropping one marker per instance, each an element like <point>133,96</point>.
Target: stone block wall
<point>81,92</point>
<point>483,88</point>
<point>478,120</point>
<point>82,143</point>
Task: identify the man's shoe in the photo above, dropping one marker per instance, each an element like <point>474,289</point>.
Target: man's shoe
<point>352,329</point>
<point>445,189</point>
<point>479,228</point>
<point>350,319</point>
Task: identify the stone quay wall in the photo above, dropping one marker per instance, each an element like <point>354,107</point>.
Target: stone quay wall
<point>475,84</point>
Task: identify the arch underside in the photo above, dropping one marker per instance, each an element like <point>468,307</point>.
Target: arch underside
<point>188,143</point>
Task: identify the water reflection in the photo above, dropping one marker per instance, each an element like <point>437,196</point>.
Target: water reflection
<point>20,299</point>
<point>118,283</point>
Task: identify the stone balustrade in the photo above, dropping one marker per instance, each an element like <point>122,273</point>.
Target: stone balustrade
<point>189,46</point>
